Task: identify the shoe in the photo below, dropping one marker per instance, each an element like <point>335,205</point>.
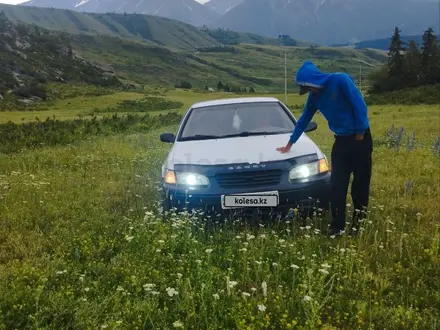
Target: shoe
<point>334,232</point>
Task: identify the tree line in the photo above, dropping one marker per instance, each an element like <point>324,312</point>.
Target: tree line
<point>409,65</point>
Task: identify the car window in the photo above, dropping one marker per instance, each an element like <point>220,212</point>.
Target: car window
<point>236,119</point>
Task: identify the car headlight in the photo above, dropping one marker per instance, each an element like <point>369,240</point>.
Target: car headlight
<point>308,170</point>
<point>186,178</point>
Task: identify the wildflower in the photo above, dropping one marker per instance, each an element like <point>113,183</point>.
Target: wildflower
<point>198,261</point>
<point>104,326</point>
<point>324,271</point>
<point>258,262</point>
<point>249,237</point>
<point>261,308</point>
<point>160,241</point>
<point>216,296</point>
<point>86,289</point>
<point>293,266</point>
<point>208,251</point>
<point>264,288</point>
<point>149,286</point>
<point>342,250</point>
<point>326,265</point>
<point>306,236</point>
<point>307,298</point>
<point>243,250</point>
<point>120,288</point>
<point>274,264</point>
<point>158,250</point>
<point>245,294</point>
<point>129,238</point>
<point>308,227</point>
<point>281,241</point>
<point>172,292</point>
<point>179,275</point>
<point>253,289</point>
<point>178,324</point>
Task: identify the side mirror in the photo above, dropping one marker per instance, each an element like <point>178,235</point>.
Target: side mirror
<point>311,127</point>
<point>167,137</point>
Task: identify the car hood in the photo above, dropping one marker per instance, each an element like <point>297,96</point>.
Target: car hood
<point>253,150</point>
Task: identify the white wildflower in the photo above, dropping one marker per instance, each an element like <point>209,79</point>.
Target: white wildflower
<point>307,298</point>
<point>208,251</point>
<point>261,308</point>
<point>293,266</point>
<point>245,294</point>
<point>324,271</point>
<point>264,288</point>
<point>178,324</point>
<point>172,292</point>
<point>216,296</point>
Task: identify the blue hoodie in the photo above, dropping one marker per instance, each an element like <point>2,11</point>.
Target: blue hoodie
<point>340,102</point>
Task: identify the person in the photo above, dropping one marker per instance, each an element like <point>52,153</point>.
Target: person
<point>341,103</point>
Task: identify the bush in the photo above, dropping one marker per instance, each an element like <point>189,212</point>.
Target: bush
<point>30,91</point>
<point>184,85</point>
<point>419,95</point>
<point>51,132</point>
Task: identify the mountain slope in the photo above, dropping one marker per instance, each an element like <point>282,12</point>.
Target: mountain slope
<point>31,57</point>
<point>188,11</point>
<point>152,29</point>
<point>222,6</point>
<point>331,21</point>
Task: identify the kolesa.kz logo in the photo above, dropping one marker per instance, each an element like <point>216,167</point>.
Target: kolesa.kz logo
<point>247,201</point>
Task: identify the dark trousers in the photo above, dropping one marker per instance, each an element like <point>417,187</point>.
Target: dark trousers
<point>350,156</point>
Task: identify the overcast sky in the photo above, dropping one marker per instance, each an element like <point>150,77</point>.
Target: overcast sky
<point>14,2</point>
<point>11,2</point>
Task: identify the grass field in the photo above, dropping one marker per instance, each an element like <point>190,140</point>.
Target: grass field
<point>82,246</point>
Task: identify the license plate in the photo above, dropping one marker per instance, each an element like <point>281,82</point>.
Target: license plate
<point>266,199</point>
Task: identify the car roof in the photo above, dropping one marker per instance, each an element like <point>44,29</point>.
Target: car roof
<point>238,100</point>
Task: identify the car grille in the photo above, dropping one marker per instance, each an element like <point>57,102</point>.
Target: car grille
<point>249,179</point>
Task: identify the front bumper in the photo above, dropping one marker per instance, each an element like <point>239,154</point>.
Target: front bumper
<point>303,196</point>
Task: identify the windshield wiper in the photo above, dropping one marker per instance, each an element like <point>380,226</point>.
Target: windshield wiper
<point>244,134</point>
<point>199,137</point>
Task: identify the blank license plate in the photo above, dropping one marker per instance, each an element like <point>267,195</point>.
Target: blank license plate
<point>250,200</point>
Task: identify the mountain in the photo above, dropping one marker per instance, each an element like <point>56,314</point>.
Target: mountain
<point>31,57</point>
<point>188,11</point>
<point>155,30</point>
<point>152,29</point>
<point>222,6</point>
<point>331,21</point>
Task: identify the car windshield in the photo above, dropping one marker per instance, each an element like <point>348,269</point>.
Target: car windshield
<point>240,119</point>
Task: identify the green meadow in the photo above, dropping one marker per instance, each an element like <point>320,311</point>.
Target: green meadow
<point>83,245</point>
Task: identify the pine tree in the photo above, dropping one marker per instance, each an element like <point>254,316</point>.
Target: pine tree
<point>430,57</point>
<point>396,60</point>
<point>413,65</point>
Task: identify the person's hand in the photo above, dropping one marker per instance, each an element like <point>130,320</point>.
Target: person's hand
<point>359,137</point>
<point>285,149</point>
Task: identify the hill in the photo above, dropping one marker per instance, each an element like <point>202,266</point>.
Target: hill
<point>154,30</point>
<point>331,21</point>
<point>189,11</point>
<point>31,57</point>
<point>384,43</point>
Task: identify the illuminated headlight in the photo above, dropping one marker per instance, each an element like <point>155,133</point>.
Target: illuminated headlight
<point>308,170</point>
<point>192,179</point>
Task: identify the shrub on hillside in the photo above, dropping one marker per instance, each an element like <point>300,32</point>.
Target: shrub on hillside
<point>51,132</point>
<point>184,85</point>
<point>420,95</point>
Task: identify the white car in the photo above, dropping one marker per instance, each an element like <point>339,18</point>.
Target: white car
<point>224,157</point>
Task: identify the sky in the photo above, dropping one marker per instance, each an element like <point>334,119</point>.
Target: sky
<point>11,2</point>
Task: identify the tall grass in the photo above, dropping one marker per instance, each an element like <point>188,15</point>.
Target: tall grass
<point>82,245</point>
